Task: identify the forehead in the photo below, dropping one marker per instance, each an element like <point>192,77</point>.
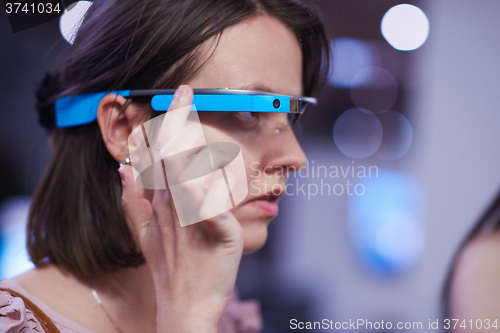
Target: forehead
<point>258,52</point>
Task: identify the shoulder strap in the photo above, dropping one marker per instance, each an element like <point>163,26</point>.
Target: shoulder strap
<point>47,324</point>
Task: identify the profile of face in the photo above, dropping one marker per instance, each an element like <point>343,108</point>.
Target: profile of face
<point>259,53</point>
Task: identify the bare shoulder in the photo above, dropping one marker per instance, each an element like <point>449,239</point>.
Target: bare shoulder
<point>46,280</point>
<point>35,274</point>
<point>59,290</point>
<point>475,290</point>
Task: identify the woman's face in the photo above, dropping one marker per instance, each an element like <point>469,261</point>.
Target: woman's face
<point>259,53</point>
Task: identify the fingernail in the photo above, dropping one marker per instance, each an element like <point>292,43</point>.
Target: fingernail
<point>181,91</point>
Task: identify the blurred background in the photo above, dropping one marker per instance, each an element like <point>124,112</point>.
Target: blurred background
<point>402,152</point>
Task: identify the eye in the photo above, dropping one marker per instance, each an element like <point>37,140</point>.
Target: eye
<point>246,120</point>
<point>248,116</point>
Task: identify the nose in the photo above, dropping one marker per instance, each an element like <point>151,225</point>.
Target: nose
<point>284,153</point>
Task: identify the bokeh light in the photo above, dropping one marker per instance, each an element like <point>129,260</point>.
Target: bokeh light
<point>378,93</point>
<point>397,138</point>
<point>72,19</point>
<point>385,222</point>
<point>405,27</point>
<point>350,56</point>
<point>13,254</point>
<point>357,133</point>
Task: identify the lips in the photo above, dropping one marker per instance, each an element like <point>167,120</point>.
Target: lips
<point>268,203</point>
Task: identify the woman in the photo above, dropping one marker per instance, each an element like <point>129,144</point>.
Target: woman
<point>472,289</point>
<point>111,256</point>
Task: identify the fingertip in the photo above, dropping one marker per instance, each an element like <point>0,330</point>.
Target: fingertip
<point>126,173</point>
<point>122,170</point>
<point>182,96</point>
<point>121,174</point>
<point>130,190</point>
<point>183,90</point>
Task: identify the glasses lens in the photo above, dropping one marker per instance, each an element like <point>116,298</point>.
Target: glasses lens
<point>295,118</point>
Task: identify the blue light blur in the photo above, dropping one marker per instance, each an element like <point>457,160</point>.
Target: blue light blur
<point>385,223</point>
<point>13,255</point>
<point>350,56</point>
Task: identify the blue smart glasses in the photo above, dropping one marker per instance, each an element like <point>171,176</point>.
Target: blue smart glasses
<point>82,109</point>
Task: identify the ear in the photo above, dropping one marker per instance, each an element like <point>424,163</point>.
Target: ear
<point>116,127</point>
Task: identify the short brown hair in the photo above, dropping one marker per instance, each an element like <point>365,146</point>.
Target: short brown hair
<point>76,219</point>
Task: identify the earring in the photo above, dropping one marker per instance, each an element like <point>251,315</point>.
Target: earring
<point>125,162</point>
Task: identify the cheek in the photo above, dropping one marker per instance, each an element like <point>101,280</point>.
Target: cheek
<point>254,225</point>
<point>254,229</point>
<point>250,145</point>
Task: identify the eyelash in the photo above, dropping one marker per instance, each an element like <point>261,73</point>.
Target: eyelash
<point>249,120</point>
<point>247,115</point>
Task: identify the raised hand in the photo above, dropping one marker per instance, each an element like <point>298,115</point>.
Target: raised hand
<point>193,267</point>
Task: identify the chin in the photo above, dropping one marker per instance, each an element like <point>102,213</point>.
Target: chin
<point>254,235</point>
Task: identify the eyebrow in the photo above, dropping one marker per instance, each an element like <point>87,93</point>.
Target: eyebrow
<point>257,87</point>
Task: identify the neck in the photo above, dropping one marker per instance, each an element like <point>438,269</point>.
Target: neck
<point>127,295</point>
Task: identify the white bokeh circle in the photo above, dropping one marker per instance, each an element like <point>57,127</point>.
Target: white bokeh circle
<point>378,93</point>
<point>357,133</point>
<point>405,27</point>
<point>397,138</point>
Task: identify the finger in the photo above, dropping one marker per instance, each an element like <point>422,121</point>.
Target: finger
<point>138,210</point>
<point>188,165</point>
<point>189,137</point>
<point>176,117</point>
<point>162,207</point>
<point>225,226</point>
